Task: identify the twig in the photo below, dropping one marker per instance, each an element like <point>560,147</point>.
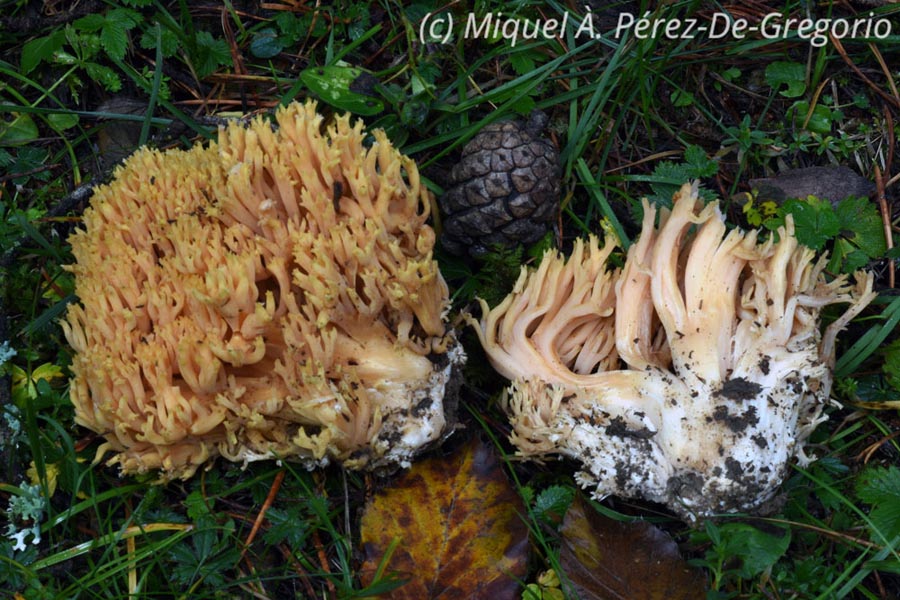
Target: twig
<point>323,560</point>
<point>836,42</point>
<point>885,220</point>
<point>298,568</point>
<point>843,537</point>
<point>889,129</point>
<point>273,491</point>
<point>9,176</point>
<point>884,69</point>
<point>867,453</point>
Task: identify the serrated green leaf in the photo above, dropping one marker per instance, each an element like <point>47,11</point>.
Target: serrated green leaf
<point>553,502</point>
<point>38,50</point>
<point>91,23</point>
<point>118,23</point>
<point>880,487</point>
<point>667,179</point>
<point>168,41</point>
<point>699,163</point>
<point>862,218</point>
<point>104,76</point>
<point>791,75</point>
<point>814,221</point>
<point>114,33</point>
<point>211,54</point>
<point>30,158</point>
<point>521,62</point>
<point>197,506</point>
<point>290,26</point>
<point>285,526</point>
<point>854,261</point>
<point>756,550</point>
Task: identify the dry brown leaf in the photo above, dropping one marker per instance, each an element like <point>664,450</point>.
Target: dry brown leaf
<point>460,529</point>
<point>610,560</point>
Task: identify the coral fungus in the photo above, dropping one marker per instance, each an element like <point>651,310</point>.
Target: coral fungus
<point>690,377</point>
<point>271,294</point>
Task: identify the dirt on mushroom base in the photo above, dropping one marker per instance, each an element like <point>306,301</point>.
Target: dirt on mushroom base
<point>727,372</point>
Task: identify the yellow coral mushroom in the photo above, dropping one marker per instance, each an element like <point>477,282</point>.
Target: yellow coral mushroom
<point>271,294</point>
<point>723,375</point>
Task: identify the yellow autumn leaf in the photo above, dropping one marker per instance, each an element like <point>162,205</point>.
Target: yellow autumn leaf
<point>52,470</point>
<point>25,387</point>
<point>459,525</point>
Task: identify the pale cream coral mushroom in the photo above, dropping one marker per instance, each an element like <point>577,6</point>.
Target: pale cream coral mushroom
<point>272,294</point>
<point>724,372</point>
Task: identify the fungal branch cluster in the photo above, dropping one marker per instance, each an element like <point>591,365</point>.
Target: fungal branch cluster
<point>271,294</point>
<point>691,376</point>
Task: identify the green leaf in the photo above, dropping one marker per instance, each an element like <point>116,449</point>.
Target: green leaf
<point>64,58</point>
<point>854,260</point>
<point>21,130</point>
<point>791,75</point>
<point>819,121</point>
<point>552,503</point>
<point>681,98</point>
<point>30,158</point>
<point>286,525</point>
<point>333,85</point>
<point>756,550</point>
<point>266,44</point>
<point>290,26</point>
<point>521,62</point>
<point>211,54</point>
<point>880,487</point>
<point>90,24</point>
<point>197,506</point>
<point>862,218</point>
<point>103,75</point>
<point>168,41</point>
<point>731,74</point>
<point>699,163</point>
<point>814,221</point>
<point>114,33</point>
<point>62,121</point>
<point>40,49</point>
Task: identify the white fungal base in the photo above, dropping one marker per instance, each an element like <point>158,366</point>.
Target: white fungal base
<point>692,377</point>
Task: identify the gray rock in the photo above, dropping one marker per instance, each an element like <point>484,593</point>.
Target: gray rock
<point>828,183</point>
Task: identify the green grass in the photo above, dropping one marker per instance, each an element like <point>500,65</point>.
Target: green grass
<point>625,113</point>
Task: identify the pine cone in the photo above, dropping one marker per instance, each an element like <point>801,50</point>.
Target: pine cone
<point>504,190</point>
